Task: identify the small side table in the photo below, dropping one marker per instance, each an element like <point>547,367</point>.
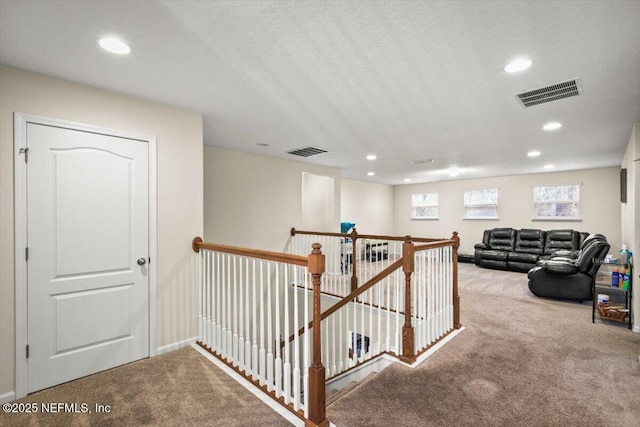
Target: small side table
<point>602,283</point>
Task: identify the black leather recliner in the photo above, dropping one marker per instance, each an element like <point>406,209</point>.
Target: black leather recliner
<point>495,247</point>
<point>529,247</point>
<point>564,278</point>
<point>572,255</point>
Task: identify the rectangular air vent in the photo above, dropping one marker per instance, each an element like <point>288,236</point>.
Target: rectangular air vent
<point>307,151</point>
<point>550,93</point>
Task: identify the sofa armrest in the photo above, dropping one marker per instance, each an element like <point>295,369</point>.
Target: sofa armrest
<point>481,246</point>
<point>562,259</point>
<point>560,268</point>
<point>565,254</point>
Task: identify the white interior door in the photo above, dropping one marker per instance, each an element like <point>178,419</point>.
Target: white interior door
<point>88,249</point>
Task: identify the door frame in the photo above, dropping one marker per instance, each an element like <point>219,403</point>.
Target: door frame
<point>21,120</point>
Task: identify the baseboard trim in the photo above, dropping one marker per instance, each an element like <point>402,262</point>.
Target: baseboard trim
<point>8,397</point>
<point>435,348</point>
<point>175,346</point>
<point>252,388</point>
<point>636,329</point>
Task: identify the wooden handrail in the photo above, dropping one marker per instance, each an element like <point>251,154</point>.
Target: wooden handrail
<point>366,236</point>
<point>198,244</point>
<point>354,294</point>
<point>435,244</point>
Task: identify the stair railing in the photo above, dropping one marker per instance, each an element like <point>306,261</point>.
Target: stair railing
<point>261,313</point>
<point>403,310</point>
<point>246,305</point>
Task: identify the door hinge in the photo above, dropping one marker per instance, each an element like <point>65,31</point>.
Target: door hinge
<point>24,151</point>
<point>27,351</point>
<point>26,253</point>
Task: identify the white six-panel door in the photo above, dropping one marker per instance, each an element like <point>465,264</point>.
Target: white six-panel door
<point>88,253</point>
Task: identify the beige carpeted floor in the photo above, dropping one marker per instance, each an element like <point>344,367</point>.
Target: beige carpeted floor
<point>521,361</point>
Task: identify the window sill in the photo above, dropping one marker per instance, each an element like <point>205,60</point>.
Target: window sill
<point>487,218</point>
<point>556,219</point>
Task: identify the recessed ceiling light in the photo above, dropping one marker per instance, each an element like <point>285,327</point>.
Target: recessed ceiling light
<point>517,65</point>
<point>114,45</point>
<point>453,172</point>
<point>548,166</point>
<point>407,180</point>
<point>371,173</point>
<point>533,153</point>
<point>372,157</point>
<point>552,126</point>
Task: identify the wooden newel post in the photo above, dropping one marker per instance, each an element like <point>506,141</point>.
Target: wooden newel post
<point>456,297</point>
<point>408,352</point>
<point>354,258</point>
<point>317,400</point>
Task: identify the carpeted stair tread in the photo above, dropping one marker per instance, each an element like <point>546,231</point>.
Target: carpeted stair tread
<point>335,395</point>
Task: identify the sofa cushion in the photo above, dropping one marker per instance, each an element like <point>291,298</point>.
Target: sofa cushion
<point>561,240</point>
<point>530,241</point>
<point>502,239</point>
<point>522,257</point>
<point>494,255</point>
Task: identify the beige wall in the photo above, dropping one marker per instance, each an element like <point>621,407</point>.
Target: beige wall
<point>368,205</point>
<point>599,205</point>
<point>630,213</point>
<point>253,201</point>
<point>179,191</point>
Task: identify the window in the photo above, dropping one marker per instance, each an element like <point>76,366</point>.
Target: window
<point>481,204</point>
<point>557,202</point>
<point>424,206</point>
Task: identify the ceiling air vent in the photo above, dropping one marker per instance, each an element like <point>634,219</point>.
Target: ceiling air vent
<point>307,151</point>
<point>550,93</point>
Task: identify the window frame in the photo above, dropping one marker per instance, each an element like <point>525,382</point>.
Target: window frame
<point>476,205</point>
<point>536,202</point>
<point>436,205</point>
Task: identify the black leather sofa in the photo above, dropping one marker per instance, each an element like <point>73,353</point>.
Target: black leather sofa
<point>520,250</point>
<point>569,278</point>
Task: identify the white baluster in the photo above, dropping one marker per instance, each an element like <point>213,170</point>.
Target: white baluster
<point>287,353</point>
<point>269,332</point>
<point>212,270</point>
<point>262,353</point>
<point>341,341</point>
<point>229,312</point>
<point>240,309</point>
<point>296,348</point>
<point>201,299</point>
<point>254,345</point>
<point>278,361</point>
<point>235,309</point>
<point>247,335</point>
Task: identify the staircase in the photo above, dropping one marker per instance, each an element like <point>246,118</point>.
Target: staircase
<point>333,395</point>
<point>307,330</point>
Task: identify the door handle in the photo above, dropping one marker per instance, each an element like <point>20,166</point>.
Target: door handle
<point>142,261</point>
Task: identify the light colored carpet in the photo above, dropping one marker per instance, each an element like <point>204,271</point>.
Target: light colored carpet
<point>521,361</point>
<point>181,388</point>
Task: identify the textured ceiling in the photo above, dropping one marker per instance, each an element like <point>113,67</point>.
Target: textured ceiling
<point>405,80</point>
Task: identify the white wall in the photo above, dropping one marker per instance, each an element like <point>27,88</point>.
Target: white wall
<point>599,206</point>
<point>253,201</point>
<point>630,213</point>
<point>179,191</point>
<point>368,205</point>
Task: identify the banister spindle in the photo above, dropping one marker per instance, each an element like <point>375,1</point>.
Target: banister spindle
<point>408,350</point>
<point>316,370</point>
